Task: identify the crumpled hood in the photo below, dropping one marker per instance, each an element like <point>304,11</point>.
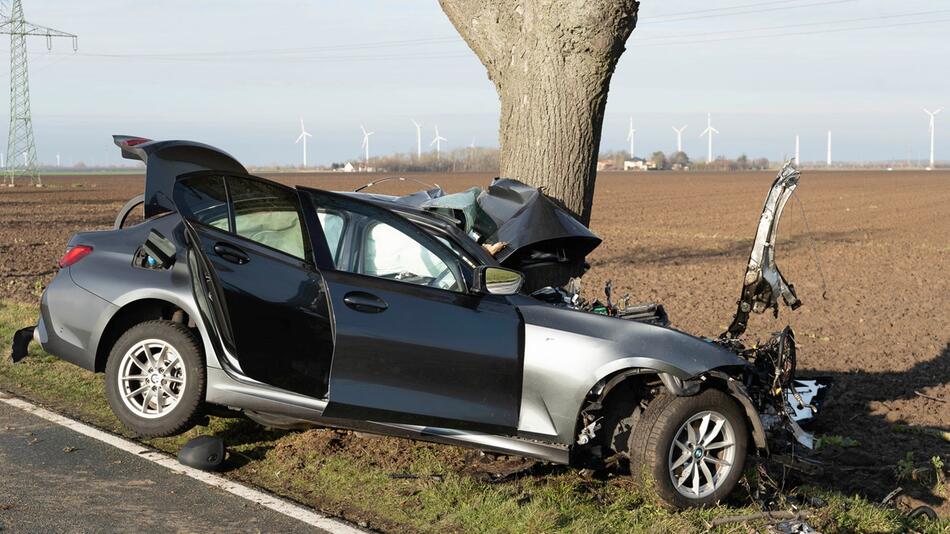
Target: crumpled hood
<point>515,213</point>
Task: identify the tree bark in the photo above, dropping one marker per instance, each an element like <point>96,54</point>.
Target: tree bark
<point>551,63</point>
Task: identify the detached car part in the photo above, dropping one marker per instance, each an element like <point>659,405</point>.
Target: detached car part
<point>763,283</point>
<point>384,314</point>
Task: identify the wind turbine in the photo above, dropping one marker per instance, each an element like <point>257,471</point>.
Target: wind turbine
<point>365,145</point>
<point>679,137</point>
<point>302,137</point>
<point>58,160</point>
<point>798,160</point>
<point>438,143</point>
<point>932,115</point>
<point>828,158</point>
<point>631,133</point>
<point>709,131</point>
<point>418,139</point>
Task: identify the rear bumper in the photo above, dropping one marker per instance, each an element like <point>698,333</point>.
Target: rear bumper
<point>71,321</point>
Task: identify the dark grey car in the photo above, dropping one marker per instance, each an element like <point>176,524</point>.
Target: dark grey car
<point>305,307</point>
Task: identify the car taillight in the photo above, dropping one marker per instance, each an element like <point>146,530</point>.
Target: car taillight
<point>73,255</point>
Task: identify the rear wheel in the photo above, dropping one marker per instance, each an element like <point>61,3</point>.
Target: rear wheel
<point>694,448</point>
<point>155,379</point>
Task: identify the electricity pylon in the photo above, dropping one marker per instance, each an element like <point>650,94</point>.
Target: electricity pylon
<point>21,148</point>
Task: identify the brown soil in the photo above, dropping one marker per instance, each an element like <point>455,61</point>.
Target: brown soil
<point>883,332</point>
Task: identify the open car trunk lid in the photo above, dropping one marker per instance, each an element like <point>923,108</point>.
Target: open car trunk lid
<point>165,161</point>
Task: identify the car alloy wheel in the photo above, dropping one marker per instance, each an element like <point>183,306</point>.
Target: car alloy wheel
<point>702,454</point>
<point>151,378</point>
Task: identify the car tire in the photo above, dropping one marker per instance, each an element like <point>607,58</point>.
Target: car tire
<point>693,448</point>
<point>155,379</point>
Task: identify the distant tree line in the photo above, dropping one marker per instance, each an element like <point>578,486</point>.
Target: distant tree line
<point>742,163</point>
<point>469,159</point>
<point>680,160</point>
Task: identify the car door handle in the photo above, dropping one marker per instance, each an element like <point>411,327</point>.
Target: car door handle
<point>231,253</point>
<point>365,302</point>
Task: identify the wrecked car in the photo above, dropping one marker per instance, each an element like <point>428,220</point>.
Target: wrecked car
<point>384,314</point>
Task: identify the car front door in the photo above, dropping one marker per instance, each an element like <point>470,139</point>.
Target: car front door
<point>269,302</point>
<point>412,343</point>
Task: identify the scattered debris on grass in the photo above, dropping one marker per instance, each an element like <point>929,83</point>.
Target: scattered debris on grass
<point>772,517</point>
<point>410,476</point>
<point>887,498</point>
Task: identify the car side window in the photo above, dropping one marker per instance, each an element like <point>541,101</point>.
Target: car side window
<point>383,244</point>
<point>267,214</point>
<point>390,253</point>
<point>203,199</point>
<point>332,223</point>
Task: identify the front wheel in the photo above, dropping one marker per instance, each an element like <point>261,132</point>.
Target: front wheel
<point>155,379</point>
<point>694,448</point>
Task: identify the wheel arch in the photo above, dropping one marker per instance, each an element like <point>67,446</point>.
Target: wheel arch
<point>626,388</point>
<point>722,381</point>
<point>613,398</point>
<point>133,313</point>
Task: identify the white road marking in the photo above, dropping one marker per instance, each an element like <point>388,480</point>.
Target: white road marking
<point>268,501</point>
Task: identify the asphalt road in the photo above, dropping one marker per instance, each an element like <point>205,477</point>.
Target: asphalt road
<point>53,479</point>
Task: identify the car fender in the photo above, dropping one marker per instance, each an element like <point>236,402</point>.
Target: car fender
<point>568,353</point>
<point>174,298</point>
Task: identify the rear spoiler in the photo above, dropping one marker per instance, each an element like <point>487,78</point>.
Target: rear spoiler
<point>128,144</point>
<point>166,161</point>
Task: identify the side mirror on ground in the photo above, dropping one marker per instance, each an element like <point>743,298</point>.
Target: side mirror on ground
<point>497,280</point>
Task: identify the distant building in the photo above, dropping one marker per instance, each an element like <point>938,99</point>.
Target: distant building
<point>635,165</point>
<point>605,165</point>
<point>348,167</point>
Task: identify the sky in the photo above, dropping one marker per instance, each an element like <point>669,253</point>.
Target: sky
<point>239,74</point>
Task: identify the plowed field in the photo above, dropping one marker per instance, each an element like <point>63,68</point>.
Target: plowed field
<point>882,239</point>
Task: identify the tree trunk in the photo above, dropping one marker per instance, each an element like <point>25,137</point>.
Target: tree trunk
<point>551,63</point>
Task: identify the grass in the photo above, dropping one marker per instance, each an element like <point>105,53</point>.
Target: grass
<point>356,484</point>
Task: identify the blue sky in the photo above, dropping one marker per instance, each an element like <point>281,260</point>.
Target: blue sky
<point>239,73</point>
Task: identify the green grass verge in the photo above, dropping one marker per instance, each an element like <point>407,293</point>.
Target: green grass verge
<point>356,483</point>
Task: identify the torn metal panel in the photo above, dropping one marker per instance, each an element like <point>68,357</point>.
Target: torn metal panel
<point>539,233</point>
<point>763,282</point>
<point>804,398</point>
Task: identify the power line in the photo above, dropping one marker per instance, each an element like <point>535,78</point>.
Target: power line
<point>785,26</point>
<point>297,59</point>
<point>326,53</point>
<point>293,52</point>
<point>715,9</point>
<point>245,53</point>
<point>651,43</point>
<point>791,34</point>
<point>693,16</point>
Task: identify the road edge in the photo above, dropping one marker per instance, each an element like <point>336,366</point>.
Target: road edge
<point>267,500</point>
